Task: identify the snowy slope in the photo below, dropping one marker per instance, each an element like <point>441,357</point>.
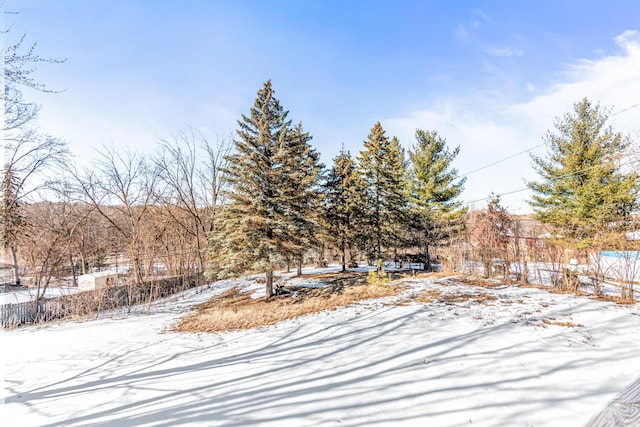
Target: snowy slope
<point>436,364</point>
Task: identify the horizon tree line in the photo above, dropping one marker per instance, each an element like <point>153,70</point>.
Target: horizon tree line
<point>263,200</point>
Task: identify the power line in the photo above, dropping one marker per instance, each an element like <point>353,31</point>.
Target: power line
<point>534,147</point>
<point>625,109</point>
<point>502,160</point>
<point>519,190</point>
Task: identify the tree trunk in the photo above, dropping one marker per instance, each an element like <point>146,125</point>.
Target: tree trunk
<point>73,270</point>
<point>525,272</point>
<point>299,270</point>
<point>16,270</point>
<point>84,262</point>
<point>269,284</point>
<point>343,250</point>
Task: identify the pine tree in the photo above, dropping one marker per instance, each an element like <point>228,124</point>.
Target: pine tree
<point>343,204</point>
<point>583,184</point>
<point>12,220</point>
<point>383,169</point>
<point>272,178</point>
<point>434,188</point>
<point>299,191</point>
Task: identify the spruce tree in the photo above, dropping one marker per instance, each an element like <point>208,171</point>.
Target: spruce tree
<point>12,220</point>
<point>343,205</point>
<point>583,185</point>
<point>272,178</point>
<point>383,169</point>
<point>434,188</point>
<point>299,192</point>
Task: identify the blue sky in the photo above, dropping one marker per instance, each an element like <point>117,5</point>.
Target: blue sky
<point>489,76</point>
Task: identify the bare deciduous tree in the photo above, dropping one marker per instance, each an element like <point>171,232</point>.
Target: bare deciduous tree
<point>27,154</point>
<point>191,187</point>
<point>494,231</point>
<point>46,240</point>
<point>120,187</point>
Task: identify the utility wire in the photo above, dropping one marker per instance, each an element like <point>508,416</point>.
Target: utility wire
<point>625,109</point>
<point>502,160</point>
<point>519,190</point>
<point>534,147</point>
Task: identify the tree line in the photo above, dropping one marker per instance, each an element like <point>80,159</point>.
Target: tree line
<point>281,201</point>
<point>263,201</point>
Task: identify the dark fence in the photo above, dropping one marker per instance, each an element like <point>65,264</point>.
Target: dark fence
<point>82,304</point>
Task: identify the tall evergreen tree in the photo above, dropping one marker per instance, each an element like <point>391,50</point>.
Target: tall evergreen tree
<point>383,169</point>
<point>434,188</point>
<point>299,191</point>
<point>583,184</point>
<point>343,190</point>
<point>272,177</point>
<point>12,220</point>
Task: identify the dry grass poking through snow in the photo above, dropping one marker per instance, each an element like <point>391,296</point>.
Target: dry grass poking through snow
<point>438,296</point>
<point>555,322</point>
<point>444,295</point>
<point>234,309</point>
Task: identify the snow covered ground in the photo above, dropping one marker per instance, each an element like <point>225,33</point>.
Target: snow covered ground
<point>30,294</point>
<point>524,357</point>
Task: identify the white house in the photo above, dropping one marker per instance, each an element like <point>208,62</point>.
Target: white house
<point>97,280</point>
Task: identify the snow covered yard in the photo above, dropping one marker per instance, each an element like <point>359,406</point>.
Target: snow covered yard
<point>471,356</point>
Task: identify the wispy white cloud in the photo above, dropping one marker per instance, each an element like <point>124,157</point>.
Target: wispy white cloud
<point>460,32</point>
<point>504,51</point>
<point>490,130</point>
<point>611,80</point>
<point>480,18</point>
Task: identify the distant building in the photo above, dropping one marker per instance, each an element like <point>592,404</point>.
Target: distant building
<point>525,234</point>
<point>98,280</point>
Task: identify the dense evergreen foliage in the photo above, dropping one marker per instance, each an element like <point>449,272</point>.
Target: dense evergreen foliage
<point>383,169</point>
<point>11,219</point>
<point>434,189</point>
<point>273,180</point>
<point>299,193</point>
<point>584,185</point>
<point>343,205</point>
